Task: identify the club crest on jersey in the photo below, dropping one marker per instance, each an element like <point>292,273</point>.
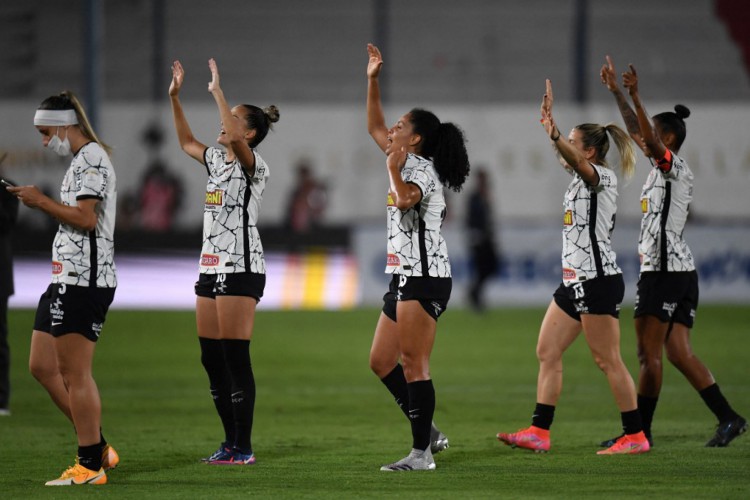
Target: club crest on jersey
<point>568,274</point>
<point>568,218</point>
<point>209,260</point>
<point>644,205</point>
<point>57,267</point>
<point>393,260</point>
<point>214,200</point>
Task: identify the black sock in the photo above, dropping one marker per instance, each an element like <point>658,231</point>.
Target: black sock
<point>647,407</point>
<point>90,456</point>
<point>212,357</point>
<point>717,403</point>
<point>631,421</point>
<point>396,384</point>
<point>421,410</point>
<point>102,441</point>
<point>543,416</point>
<point>237,356</point>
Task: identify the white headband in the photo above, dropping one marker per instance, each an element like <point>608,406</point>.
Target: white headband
<point>55,117</point>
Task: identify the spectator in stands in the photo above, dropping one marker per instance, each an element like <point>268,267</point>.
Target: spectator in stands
<point>307,201</point>
<point>485,261</point>
<point>667,296</point>
<point>160,197</point>
<point>424,156</point>
<point>589,297</point>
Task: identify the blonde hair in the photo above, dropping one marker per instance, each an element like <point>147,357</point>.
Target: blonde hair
<point>68,100</point>
<point>595,136</point>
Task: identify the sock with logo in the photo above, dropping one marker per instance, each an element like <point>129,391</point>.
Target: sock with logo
<point>421,410</point>
<point>237,356</point>
<point>212,357</point>
<point>395,382</point>
<point>90,456</point>
<point>543,416</point>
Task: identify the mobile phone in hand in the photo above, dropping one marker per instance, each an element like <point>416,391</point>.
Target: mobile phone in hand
<point>6,182</point>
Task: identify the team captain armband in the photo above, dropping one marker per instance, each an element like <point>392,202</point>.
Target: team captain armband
<point>665,164</point>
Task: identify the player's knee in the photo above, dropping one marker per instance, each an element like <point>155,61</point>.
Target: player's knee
<point>42,371</point>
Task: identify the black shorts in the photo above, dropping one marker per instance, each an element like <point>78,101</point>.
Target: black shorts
<point>73,309</point>
<point>432,293</point>
<point>596,296</point>
<point>671,297</point>
<point>242,284</point>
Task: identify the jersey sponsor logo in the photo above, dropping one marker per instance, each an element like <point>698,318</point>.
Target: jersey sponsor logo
<point>209,260</point>
<point>393,260</point>
<point>568,218</point>
<point>57,267</point>
<point>56,311</point>
<point>214,200</point>
<point>391,202</point>
<point>644,205</point>
<point>568,274</point>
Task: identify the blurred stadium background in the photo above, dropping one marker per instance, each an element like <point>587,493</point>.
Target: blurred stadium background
<point>479,63</point>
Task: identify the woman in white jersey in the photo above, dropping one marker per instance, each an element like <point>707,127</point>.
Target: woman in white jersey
<point>72,311</point>
<point>592,288</point>
<point>424,157</point>
<point>668,285</point>
<point>232,268</point>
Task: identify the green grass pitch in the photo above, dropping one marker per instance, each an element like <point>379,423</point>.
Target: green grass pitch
<point>324,424</point>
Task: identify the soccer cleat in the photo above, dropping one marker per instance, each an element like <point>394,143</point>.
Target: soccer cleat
<point>416,460</point>
<point>610,442</point>
<point>235,457</point>
<point>110,458</point>
<point>78,474</point>
<point>438,440</point>
<point>223,453</point>
<point>531,438</point>
<point>628,444</point>
<point>726,431</point>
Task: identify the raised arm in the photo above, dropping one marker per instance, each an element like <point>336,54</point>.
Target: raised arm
<point>652,145</point>
<point>375,118</point>
<point>230,123</point>
<point>566,150</point>
<point>188,143</point>
<point>609,79</point>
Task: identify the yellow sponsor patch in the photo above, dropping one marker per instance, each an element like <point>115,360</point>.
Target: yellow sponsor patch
<point>568,218</point>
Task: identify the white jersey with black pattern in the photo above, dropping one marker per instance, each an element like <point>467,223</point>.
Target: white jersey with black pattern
<point>588,222</point>
<point>415,245</point>
<point>231,243</point>
<point>665,202</point>
<point>79,256</point>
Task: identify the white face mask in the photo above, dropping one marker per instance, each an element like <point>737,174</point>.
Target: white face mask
<point>61,147</point>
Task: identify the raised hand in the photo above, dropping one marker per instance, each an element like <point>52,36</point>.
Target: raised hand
<point>608,75</point>
<point>178,75</point>
<point>376,61</point>
<point>630,80</point>
<point>213,85</point>
<point>546,109</point>
<point>396,159</point>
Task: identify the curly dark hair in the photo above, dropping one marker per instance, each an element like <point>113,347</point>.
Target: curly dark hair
<point>445,144</point>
